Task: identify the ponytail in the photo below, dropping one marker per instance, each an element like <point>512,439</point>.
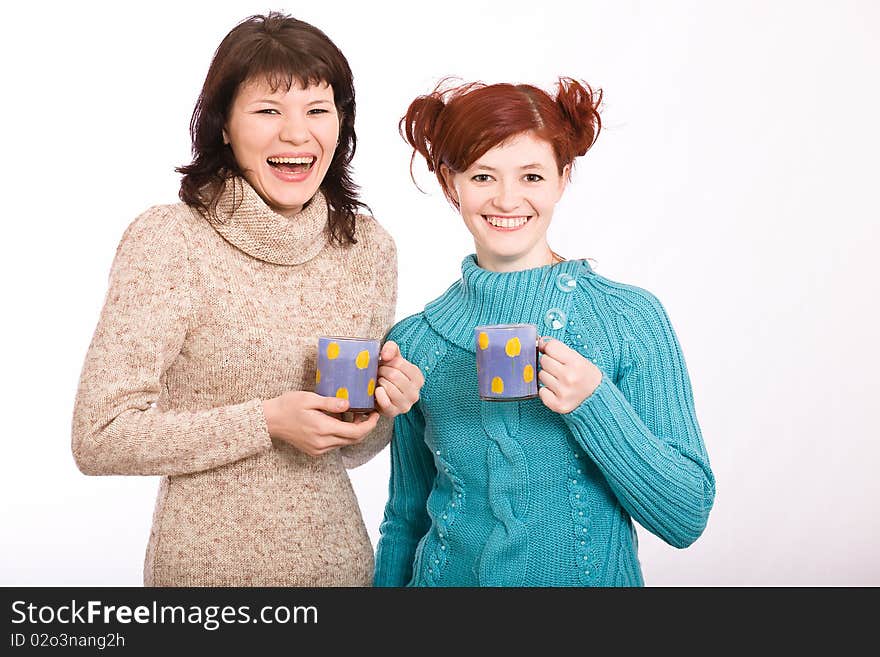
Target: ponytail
<point>419,128</point>
<point>579,106</point>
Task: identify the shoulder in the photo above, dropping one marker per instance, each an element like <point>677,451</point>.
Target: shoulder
<point>156,245</point>
<point>412,334</point>
<point>164,225</point>
<point>639,305</point>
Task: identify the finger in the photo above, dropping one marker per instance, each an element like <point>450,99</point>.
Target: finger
<point>412,371</point>
<point>395,394</point>
<point>403,366</point>
<point>396,377</point>
<point>549,381</point>
<point>364,417</point>
<point>549,364</point>
<point>383,402</point>
<point>327,404</point>
<point>412,376</point>
<point>556,349</point>
<point>549,399</point>
<point>355,431</point>
<point>389,351</point>
<point>332,429</point>
<point>365,424</point>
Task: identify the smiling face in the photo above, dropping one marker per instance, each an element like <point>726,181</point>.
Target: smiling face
<point>506,198</point>
<point>283,140</point>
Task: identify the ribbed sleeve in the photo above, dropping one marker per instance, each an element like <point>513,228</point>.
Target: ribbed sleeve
<point>643,434</point>
<point>406,518</point>
<point>413,471</point>
<point>116,427</point>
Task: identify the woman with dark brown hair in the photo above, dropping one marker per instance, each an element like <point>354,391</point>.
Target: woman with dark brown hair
<point>203,364</point>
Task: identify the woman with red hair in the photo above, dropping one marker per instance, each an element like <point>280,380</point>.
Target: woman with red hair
<point>543,491</point>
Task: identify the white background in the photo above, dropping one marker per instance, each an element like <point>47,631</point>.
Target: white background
<point>736,178</point>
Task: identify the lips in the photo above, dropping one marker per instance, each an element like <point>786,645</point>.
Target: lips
<point>291,168</point>
<point>292,164</point>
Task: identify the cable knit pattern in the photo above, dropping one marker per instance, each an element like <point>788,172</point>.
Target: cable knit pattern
<point>549,498</point>
<point>202,320</point>
<point>508,489</point>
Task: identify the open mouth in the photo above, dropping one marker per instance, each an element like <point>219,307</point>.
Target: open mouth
<point>506,223</point>
<point>292,166</point>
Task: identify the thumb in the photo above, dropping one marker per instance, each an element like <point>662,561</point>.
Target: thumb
<point>330,404</point>
<point>390,351</point>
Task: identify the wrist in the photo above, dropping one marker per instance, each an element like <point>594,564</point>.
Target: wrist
<point>594,380</point>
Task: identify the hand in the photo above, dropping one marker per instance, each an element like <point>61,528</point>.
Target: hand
<point>399,382</point>
<point>303,419</point>
<point>568,377</point>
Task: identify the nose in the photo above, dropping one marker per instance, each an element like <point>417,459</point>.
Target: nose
<point>294,130</point>
<point>507,198</point>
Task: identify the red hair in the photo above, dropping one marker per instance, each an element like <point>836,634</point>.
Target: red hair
<point>458,125</point>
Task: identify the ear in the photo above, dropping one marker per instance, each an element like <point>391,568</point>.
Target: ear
<point>563,179</point>
<point>449,179</point>
<point>225,136</point>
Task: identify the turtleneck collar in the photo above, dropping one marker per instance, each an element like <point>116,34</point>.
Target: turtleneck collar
<point>485,297</point>
<point>245,221</point>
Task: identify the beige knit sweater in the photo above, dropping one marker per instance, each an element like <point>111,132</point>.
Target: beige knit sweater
<point>202,321</point>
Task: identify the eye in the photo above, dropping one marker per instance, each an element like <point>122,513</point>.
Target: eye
<point>533,177</point>
<point>318,110</point>
<point>268,110</point>
<point>481,178</point>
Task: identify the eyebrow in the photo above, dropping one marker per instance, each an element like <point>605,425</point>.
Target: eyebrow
<point>533,165</point>
<point>271,101</point>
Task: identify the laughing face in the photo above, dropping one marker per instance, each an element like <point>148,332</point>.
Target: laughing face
<point>506,198</point>
<point>283,140</point>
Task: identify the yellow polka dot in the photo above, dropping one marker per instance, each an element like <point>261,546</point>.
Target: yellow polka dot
<point>371,388</point>
<point>332,350</point>
<point>513,347</point>
<point>484,340</point>
<point>318,376</point>
<point>342,393</point>
<point>497,385</point>
<point>528,373</point>
<point>362,360</point>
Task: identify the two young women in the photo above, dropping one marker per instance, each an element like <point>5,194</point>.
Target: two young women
<point>202,362</point>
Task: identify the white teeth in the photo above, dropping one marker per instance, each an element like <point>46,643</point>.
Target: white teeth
<point>506,222</point>
<point>291,160</point>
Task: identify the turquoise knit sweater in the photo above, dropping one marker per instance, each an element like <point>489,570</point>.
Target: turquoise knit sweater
<point>513,494</point>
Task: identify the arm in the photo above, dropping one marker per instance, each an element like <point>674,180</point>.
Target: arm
<point>406,517</point>
<point>116,427</point>
<point>644,436</point>
<point>385,273</point>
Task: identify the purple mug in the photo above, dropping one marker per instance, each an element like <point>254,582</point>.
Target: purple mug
<point>507,361</point>
<point>347,368</point>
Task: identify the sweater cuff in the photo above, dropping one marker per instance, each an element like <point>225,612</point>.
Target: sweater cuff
<point>394,563</point>
<point>259,426</point>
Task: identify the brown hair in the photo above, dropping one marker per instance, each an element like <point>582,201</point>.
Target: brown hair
<point>280,49</point>
<point>456,126</point>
